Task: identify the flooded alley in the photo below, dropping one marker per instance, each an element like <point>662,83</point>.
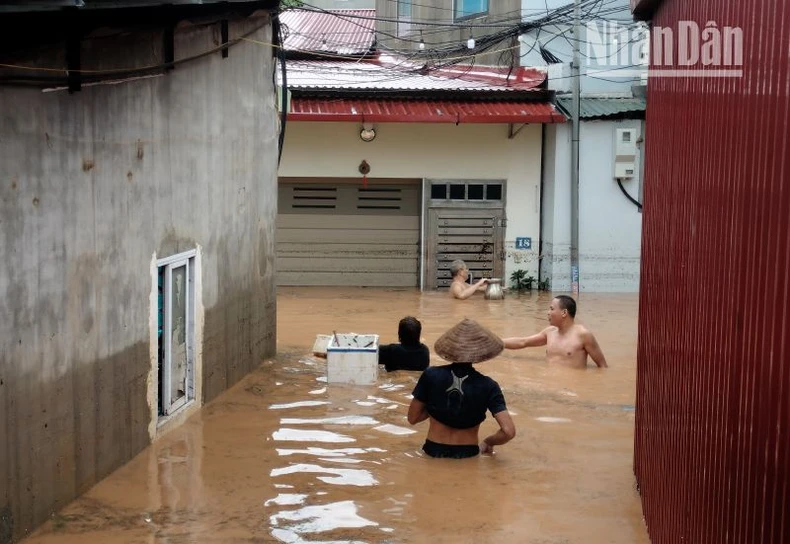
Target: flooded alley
<point>285,457</point>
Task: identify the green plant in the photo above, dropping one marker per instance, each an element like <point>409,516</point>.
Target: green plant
<point>520,280</point>
<point>544,285</point>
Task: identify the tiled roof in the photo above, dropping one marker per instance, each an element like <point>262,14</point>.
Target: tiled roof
<point>339,32</point>
<point>392,75</point>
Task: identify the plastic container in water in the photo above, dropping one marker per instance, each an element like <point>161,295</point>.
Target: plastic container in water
<point>494,290</point>
<point>352,358</point>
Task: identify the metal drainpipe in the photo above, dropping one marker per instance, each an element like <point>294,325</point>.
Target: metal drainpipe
<point>576,81</point>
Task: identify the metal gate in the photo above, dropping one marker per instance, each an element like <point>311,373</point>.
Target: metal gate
<point>472,235</point>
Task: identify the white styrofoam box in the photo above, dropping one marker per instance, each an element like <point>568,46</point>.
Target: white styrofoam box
<point>320,345</point>
<point>353,358</point>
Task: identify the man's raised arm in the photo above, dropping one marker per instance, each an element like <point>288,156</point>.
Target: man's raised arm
<point>540,339</point>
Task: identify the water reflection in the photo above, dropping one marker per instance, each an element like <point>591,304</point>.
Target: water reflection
<point>340,476</point>
<point>339,420</point>
<point>304,435</point>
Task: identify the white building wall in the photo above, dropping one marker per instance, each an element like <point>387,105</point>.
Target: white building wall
<point>432,151</point>
<point>610,225</point>
<point>555,262</point>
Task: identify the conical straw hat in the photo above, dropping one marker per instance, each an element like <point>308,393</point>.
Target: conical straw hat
<point>468,342</point>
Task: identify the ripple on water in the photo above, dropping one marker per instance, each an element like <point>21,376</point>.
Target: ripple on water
<point>286,499</point>
<point>321,518</point>
<point>307,435</point>
<point>339,420</point>
<point>394,429</point>
<point>339,476</point>
<point>324,452</point>
<point>298,404</point>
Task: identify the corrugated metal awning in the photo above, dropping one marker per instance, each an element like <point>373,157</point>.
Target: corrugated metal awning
<point>603,108</point>
<point>393,74</point>
<point>340,32</point>
<point>421,111</point>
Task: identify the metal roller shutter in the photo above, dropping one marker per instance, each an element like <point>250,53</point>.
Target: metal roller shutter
<point>337,233</point>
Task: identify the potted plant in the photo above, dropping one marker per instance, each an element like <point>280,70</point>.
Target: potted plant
<point>520,280</point>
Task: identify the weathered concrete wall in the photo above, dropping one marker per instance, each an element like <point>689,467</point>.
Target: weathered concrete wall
<point>610,227</point>
<point>93,186</point>
<point>406,35</point>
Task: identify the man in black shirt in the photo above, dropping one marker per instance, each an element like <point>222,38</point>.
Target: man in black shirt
<point>410,354</point>
<point>455,397</point>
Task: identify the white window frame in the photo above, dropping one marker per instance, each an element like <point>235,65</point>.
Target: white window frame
<point>186,259</point>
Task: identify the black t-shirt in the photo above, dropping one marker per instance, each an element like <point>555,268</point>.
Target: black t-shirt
<point>458,396</point>
<point>400,357</point>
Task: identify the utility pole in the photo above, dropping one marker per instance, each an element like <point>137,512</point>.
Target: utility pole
<point>575,105</point>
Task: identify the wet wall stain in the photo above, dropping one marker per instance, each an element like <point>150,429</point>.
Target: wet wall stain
<point>6,524</point>
<point>237,335</point>
<point>66,434</point>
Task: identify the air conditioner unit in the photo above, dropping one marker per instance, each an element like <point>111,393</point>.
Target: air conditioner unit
<point>625,153</point>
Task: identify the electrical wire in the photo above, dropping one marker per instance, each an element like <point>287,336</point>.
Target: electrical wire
<point>278,32</point>
<point>93,75</point>
<point>627,195</point>
<point>413,62</point>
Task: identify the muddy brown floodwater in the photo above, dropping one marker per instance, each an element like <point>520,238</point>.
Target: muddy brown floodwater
<point>285,457</point>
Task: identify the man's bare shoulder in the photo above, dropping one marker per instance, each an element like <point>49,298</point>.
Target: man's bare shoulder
<point>582,332</point>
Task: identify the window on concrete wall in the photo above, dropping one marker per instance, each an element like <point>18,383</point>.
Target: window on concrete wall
<point>466,9</point>
<point>404,18</point>
<point>176,331</point>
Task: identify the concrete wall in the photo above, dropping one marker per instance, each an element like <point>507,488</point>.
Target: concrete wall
<point>406,37</point>
<point>94,186</point>
<point>433,151</point>
<point>610,226</point>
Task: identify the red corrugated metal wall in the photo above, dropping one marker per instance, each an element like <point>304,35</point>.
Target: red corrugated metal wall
<point>712,446</point>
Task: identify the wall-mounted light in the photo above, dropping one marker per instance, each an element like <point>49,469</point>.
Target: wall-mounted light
<point>470,43</point>
<point>422,42</point>
<point>368,133</point>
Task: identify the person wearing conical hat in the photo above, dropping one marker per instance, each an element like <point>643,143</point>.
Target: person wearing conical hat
<point>455,397</point>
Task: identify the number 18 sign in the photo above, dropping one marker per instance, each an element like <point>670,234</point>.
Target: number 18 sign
<point>523,243</point>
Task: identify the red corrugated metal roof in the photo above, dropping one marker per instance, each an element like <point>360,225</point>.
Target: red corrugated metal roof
<point>421,111</point>
<point>344,32</point>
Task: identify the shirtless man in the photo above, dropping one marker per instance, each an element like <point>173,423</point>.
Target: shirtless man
<point>566,342</point>
<point>459,288</point>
